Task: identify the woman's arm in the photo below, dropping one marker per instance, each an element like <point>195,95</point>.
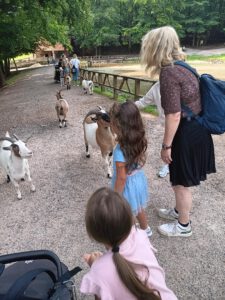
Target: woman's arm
<point>171,124</point>
<point>121,176</point>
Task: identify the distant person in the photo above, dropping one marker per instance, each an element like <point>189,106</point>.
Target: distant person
<point>75,67</point>
<point>129,157</point>
<point>153,96</point>
<point>62,77</point>
<point>128,269</point>
<point>187,146</point>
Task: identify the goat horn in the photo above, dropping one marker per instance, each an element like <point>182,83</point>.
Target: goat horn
<point>92,112</point>
<point>28,138</point>
<point>100,108</point>
<point>7,139</point>
<point>16,137</point>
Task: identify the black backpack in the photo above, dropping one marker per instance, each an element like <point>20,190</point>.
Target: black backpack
<point>212,92</point>
<point>36,275</point>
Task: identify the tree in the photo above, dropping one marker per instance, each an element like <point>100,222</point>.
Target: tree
<point>24,23</point>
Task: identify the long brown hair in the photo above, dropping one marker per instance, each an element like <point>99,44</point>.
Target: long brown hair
<point>109,221</point>
<point>131,133</point>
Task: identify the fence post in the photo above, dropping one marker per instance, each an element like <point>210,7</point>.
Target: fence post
<point>137,88</point>
<point>115,93</point>
<point>100,82</point>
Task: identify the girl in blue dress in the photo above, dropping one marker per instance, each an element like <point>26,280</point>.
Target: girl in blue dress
<point>129,157</point>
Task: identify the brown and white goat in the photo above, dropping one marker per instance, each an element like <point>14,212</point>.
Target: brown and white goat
<point>98,134</point>
<point>62,109</point>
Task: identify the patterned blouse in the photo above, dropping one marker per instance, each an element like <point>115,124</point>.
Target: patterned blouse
<point>178,85</point>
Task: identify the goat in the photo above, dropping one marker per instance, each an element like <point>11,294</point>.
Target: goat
<point>13,160</point>
<point>62,108</point>
<point>88,86</point>
<point>68,82</point>
<point>98,134</point>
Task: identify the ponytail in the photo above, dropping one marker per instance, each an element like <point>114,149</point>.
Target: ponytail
<point>130,279</point>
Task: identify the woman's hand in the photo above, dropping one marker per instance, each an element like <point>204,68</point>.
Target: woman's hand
<point>91,257</point>
<point>166,156</point>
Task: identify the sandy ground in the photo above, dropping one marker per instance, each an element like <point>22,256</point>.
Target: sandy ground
<point>53,217</point>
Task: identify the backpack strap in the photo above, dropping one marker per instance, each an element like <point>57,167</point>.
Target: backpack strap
<point>19,287</point>
<point>187,66</point>
<point>185,108</point>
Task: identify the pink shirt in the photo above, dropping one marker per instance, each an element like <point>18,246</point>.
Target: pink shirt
<point>103,280</point>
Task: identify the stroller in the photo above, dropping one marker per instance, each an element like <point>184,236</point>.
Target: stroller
<point>36,275</point>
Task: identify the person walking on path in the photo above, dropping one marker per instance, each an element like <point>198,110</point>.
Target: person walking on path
<point>153,96</point>
<point>128,269</point>
<point>187,146</point>
<point>75,66</point>
<point>128,159</point>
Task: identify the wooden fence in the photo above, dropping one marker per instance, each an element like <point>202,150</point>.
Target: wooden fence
<point>137,87</point>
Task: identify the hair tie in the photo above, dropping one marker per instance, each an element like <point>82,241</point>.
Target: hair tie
<point>115,249</point>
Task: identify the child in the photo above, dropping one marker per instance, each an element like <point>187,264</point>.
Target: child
<point>129,157</point>
<point>128,269</point>
<point>153,96</point>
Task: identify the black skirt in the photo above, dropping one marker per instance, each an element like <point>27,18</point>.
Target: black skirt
<point>192,154</point>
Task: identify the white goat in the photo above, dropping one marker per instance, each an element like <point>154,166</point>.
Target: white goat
<point>98,134</point>
<point>62,108</point>
<point>13,160</point>
<point>88,86</point>
<point>68,82</point>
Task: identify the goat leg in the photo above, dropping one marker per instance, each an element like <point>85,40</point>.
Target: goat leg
<point>108,161</point>
<point>27,172</point>
<point>8,179</point>
<point>19,197</point>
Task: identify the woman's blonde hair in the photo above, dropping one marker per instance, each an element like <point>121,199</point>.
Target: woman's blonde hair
<point>160,47</point>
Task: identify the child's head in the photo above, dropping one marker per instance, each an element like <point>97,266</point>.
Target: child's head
<point>127,124</point>
<point>109,221</point>
<point>108,217</point>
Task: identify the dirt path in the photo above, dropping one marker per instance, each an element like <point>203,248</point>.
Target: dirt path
<point>53,217</point>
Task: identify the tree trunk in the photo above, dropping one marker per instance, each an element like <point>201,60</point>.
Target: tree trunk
<point>7,66</point>
<point>2,77</point>
<point>16,64</point>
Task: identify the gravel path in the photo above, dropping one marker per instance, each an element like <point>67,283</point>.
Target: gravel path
<point>53,217</point>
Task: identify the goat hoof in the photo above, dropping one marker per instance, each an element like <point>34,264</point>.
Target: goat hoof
<point>22,179</point>
<point>88,156</point>
<point>109,176</point>
<point>19,197</point>
<point>8,179</point>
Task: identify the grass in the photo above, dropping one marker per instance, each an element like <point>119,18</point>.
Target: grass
<point>206,58</point>
<point>23,56</point>
<point>15,76</point>
<point>151,109</point>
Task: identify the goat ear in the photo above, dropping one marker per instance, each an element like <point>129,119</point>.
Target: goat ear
<point>6,148</point>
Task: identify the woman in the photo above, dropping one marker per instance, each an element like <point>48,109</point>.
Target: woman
<point>187,146</point>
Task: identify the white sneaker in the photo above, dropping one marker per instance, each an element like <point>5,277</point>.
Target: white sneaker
<point>168,214</point>
<point>175,229</point>
<point>163,171</point>
<point>148,231</point>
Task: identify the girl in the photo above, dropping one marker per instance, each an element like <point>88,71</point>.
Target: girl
<point>129,269</point>
<point>128,159</point>
<point>187,146</point>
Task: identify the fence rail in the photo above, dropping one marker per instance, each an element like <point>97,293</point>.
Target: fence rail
<point>137,87</point>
